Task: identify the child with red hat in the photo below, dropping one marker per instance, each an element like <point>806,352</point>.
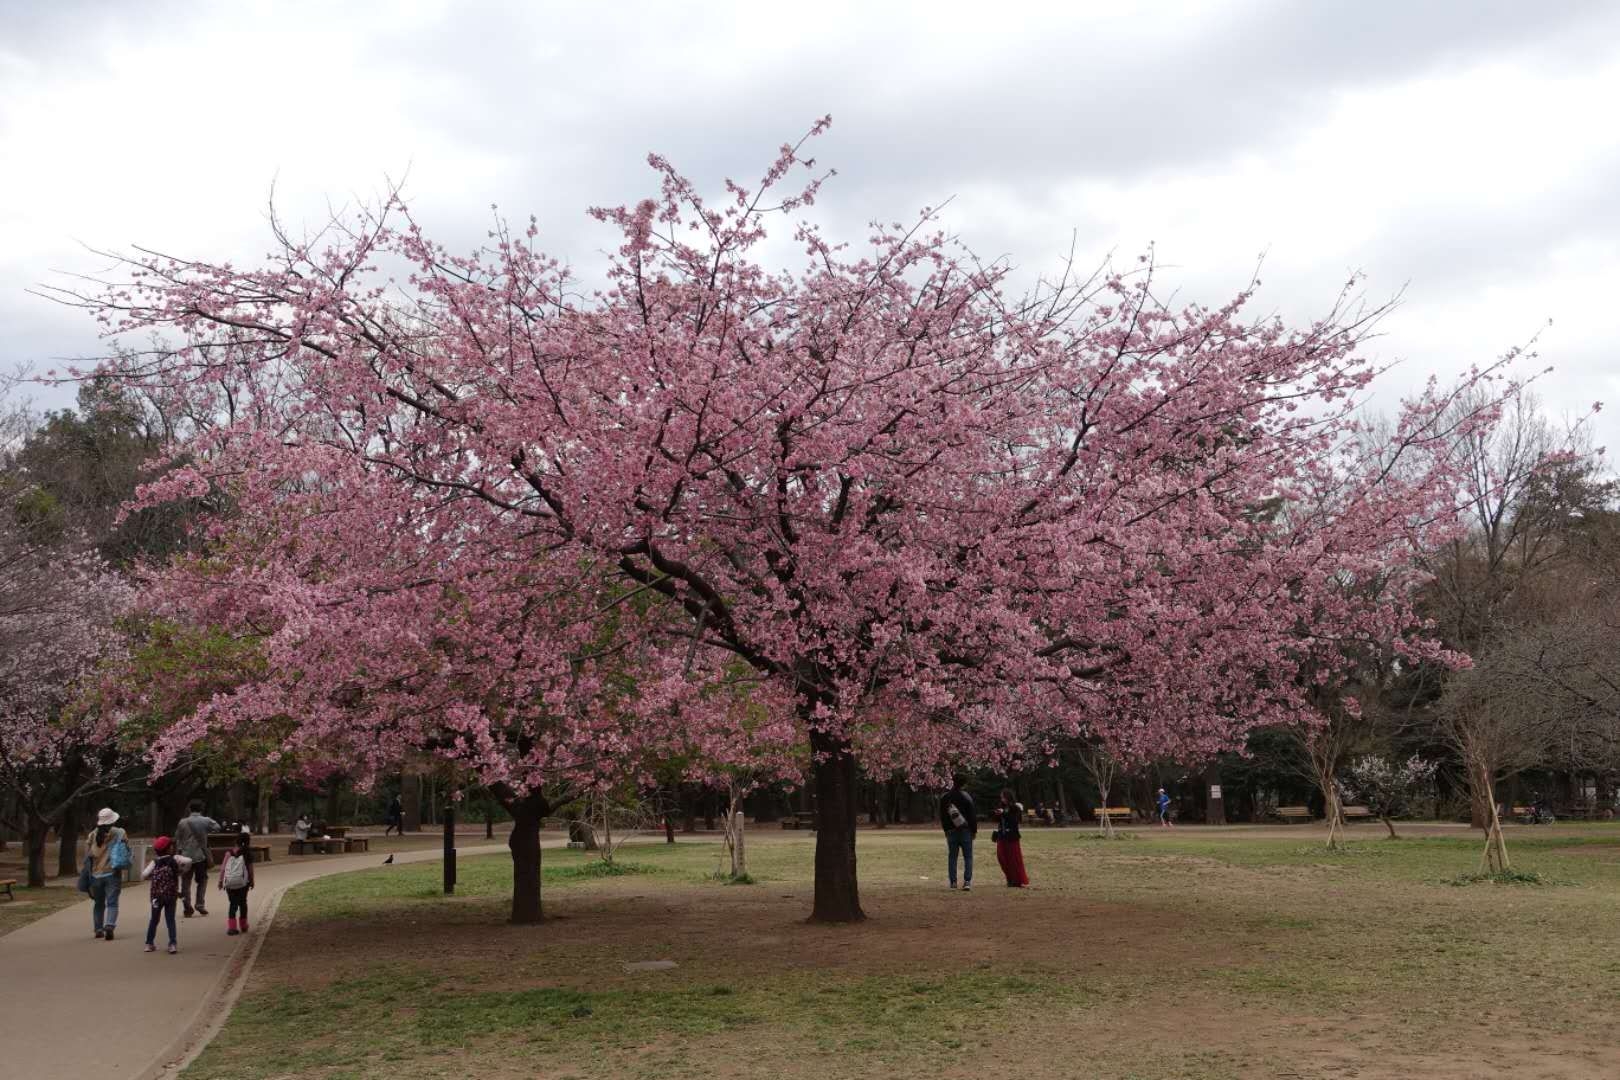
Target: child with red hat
<point>164,874</point>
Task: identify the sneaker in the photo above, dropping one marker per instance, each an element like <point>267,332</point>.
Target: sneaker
<point>173,949</point>
<point>201,910</point>
<point>188,913</point>
<point>100,934</point>
<point>151,947</point>
<point>968,887</point>
<point>108,935</point>
<point>953,885</point>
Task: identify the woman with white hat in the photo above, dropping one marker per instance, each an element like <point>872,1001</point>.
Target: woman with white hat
<point>106,856</point>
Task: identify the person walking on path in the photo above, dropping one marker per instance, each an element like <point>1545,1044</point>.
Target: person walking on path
<point>1009,841</point>
<point>1164,809</point>
<point>191,837</point>
<point>960,821</point>
<point>106,857</point>
<point>236,878</point>
<point>396,816</point>
<point>164,874</point>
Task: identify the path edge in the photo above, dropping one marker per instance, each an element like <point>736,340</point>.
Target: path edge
<point>216,1005</point>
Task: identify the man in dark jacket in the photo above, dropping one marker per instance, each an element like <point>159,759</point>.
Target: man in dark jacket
<point>960,821</point>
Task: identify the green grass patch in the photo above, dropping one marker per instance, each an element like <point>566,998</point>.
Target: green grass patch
<point>1505,877</point>
<point>33,904</point>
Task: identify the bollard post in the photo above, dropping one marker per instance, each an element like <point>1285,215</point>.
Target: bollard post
<point>449,848</point>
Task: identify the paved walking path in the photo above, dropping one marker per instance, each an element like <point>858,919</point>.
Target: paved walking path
<point>73,1007</point>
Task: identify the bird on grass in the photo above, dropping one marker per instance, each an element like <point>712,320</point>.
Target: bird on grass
<point>388,861</point>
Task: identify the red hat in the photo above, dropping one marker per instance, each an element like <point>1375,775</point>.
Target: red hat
<point>160,845</point>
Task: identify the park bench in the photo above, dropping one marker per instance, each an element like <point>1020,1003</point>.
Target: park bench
<point>319,845</point>
<point>1114,813</point>
<point>1290,814</point>
<point>800,821</point>
<point>6,884</point>
<point>357,843</point>
<point>1357,813</point>
<point>338,832</point>
<point>217,850</point>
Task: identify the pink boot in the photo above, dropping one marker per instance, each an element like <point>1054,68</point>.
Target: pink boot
<point>241,924</point>
<point>230,927</point>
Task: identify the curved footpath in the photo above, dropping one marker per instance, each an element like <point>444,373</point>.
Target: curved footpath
<point>73,1007</point>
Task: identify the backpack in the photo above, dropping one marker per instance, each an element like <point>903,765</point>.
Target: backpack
<point>165,881</point>
<point>953,812</point>
<point>118,858</point>
<point>234,873</point>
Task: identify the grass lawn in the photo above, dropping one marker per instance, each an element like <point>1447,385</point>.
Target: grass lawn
<point>34,904</point>
<point>1221,954</point>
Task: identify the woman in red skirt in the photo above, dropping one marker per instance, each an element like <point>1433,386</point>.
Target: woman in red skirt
<point>1009,849</point>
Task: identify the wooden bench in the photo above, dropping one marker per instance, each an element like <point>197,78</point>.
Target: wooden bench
<point>357,843</point>
<point>800,821</point>
<point>259,852</point>
<point>1357,813</point>
<point>1113,813</point>
<point>1290,814</point>
<point>338,832</point>
<point>6,884</point>
<point>320,845</point>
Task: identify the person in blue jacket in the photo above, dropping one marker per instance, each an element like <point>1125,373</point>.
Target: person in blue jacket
<point>1164,809</point>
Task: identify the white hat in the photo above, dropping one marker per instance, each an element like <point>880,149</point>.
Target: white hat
<point>108,816</point>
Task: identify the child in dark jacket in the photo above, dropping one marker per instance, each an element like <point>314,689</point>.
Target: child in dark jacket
<point>236,878</point>
<point>164,873</point>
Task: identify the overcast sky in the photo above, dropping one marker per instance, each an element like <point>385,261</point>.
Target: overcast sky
<point>1465,152</point>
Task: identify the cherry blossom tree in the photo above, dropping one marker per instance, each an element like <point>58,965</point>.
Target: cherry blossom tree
<point>57,625</point>
<point>948,522</point>
<point>1387,787</point>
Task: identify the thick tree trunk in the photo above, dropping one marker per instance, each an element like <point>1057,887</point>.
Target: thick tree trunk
<point>734,835</point>
<point>838,897</point>
<point>524,843</point>
<point>410,796</point>
<point>35,844</point>
<point>67,851</point>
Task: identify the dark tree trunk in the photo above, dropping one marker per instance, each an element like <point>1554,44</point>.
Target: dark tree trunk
<point>709,798</point>
<point>880,806</point>
<point>688,810</point>
<point>524,843</point>
<point>838,897</point>
<point>410,797</point>
<point>35,844</point>
<point>67,852</point>
<point>489,824</point>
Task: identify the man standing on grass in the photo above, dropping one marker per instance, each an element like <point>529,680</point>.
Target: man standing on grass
<point>191,837</point>
<point>961,824</point>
